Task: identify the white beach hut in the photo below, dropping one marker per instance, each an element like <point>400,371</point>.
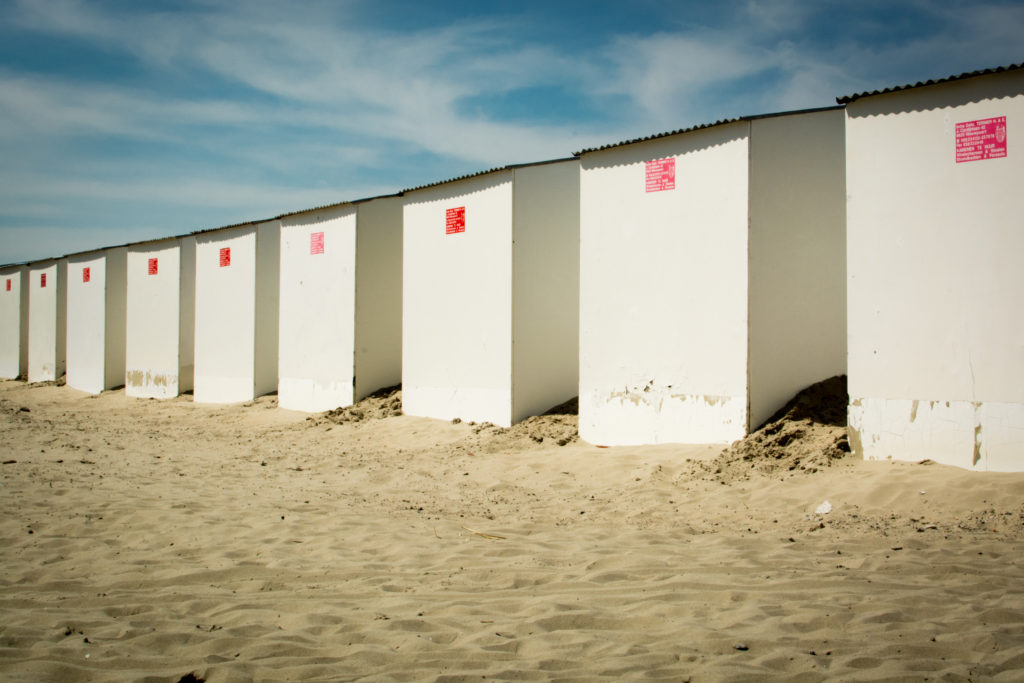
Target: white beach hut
<point>96,319</point>
<point>712,283</point>
<point>934,217</point>
<point>491,283</point>
<point>47,319</point>
<point>160,338</point>
<point>236,328</point>
<point>341,303</point>
<point>13,321</point>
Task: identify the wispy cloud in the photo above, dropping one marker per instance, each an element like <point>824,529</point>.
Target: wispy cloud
<point>220,111</point>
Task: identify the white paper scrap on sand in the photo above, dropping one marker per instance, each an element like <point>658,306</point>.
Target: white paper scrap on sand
<point>824,508</point>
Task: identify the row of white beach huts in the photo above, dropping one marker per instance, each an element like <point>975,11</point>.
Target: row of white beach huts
<point>684,286</point>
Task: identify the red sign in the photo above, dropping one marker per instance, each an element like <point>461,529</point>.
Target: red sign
<point>981,139</point>
<point>455,220</point>
<point>316,243</point>
<point>42,279</point>
<point>152,267</point>
<point>225,257</point>
<point>8,284</point>
<point>661,175</point>
<point>86,274</point>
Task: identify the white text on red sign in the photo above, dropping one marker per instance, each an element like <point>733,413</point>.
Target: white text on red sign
<point>981,139</point>
<point>225,257</point>
<point>316,243</point>
<point>660,174</point>
<point>455,220</point>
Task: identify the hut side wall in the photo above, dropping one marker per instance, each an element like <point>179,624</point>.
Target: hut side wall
<point>797,256</point>
<point>157,310</point>
<point>267,291</point>
<point>936,368</point>
<point>457,302</point>
<point>96,320</point>
<point>47,318</point>
<point>317,310</point>
<point>545,295</point>
<point>378,310</point>
<point>186,313</point>
<point>663,291</point>
<point>225,317</point>
<point>13,322</point>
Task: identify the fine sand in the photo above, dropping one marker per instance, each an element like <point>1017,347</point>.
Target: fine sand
<point>159,541</point>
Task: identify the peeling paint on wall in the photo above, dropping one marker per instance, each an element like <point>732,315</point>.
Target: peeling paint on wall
<point>647,413</point>
<point>987,436</point>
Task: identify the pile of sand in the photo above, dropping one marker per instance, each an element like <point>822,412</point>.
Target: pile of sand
<point>805,435</point>
<point>380,404</point>
<point>558,426</point>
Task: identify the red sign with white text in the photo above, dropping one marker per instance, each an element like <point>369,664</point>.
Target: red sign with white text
<point>152,267</point>
<point>981,139</point>
<point>86,274</point>
<point>225,257</point>
<point>316,243</point>
<point>661,175</point>
<point>42,279</point>
<point>455,220</point>
<point>8,284</point>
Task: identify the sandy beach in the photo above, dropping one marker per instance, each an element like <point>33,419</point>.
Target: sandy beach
<point>148,540</point>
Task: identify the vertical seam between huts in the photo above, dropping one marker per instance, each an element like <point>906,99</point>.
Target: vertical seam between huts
<point>747,390</point>
<point>356,251</point>
<point>513,394</point>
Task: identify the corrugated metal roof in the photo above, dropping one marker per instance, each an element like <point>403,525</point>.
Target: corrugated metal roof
<point>337,205</point>
<point>488,171</point>
<point>118,246</point>
<point>243,224</point>
<point>702,126</point>
<point>846,99</point>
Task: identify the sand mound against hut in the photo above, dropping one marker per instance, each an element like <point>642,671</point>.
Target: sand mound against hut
<point>380,404</point>
<point>558,426</point>
<point>807,434</point>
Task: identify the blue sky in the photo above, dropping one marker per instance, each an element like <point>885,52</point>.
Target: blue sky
<point>123,121</point>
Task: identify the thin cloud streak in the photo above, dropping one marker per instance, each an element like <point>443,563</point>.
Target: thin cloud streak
<point>231,111</point>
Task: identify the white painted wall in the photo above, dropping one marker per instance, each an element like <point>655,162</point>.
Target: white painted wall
<point>378,315</point>
<point>47,320</point>
<point>705,307</point>
<point>13,322</point>
<point>797,256</point>
<point>936,335</point>
<point>317,310</point>
<point>457,302</point>
<point>160,318</point>
<point>490,314</point>
<point>96,320</point>
<point>341,309</point>
<point>225,331</point>
<point>546,285</point>
<point>663,291</point>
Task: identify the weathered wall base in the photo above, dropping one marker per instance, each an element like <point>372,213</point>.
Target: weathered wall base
<point>471,404</point>
<point>311,396</point>
<point>984,436</point>
<point>146,384</point>
<point>645,415</point>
